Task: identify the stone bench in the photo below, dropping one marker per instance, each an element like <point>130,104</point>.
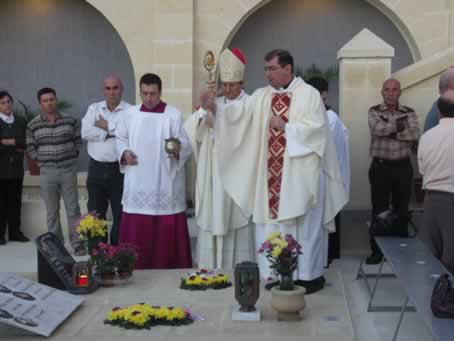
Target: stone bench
<point>417,270</point>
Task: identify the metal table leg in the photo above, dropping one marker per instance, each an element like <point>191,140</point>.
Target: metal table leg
<point>384,308</point>
<point>401,316</point>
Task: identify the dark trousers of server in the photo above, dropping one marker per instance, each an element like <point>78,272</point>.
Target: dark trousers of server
<point>105,185</point>
<point>390,183</point>
<point>10,208</point>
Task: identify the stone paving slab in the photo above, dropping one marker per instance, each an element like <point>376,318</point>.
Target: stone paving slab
<point>325,318</point>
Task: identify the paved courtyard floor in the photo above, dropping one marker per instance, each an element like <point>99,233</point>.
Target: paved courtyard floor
<point>339,312</point>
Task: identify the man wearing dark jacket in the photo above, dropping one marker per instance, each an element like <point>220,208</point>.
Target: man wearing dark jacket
<point>12,146</point>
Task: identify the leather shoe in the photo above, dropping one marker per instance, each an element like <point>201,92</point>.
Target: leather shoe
<point>374,258</point>
<point>19,237</point>
<point>313,285</point>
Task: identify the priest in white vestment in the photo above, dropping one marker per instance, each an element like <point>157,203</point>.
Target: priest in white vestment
<point>279,162</point>
<point>154,203</point>
<point>341,140</point>
<point>224,233</point>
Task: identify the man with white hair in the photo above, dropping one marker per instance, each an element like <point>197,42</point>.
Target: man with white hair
<point>104,180</point>
<point>223,237</point>
<point>445,83</point>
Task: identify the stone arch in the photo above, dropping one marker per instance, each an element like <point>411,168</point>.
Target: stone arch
<point>227,16</point>
<point>401,25</point>
<point>380,5</point>
<point>108,15</point>
<point>67,45</point>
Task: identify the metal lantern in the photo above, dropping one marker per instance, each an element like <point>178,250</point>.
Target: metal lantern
<point>247,285</point>
<point>82,276</point>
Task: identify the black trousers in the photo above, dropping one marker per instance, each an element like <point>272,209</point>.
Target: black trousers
<point>10,206</point>
<point>334,241</point>
<point>105,185</point>
<point>390,185</point>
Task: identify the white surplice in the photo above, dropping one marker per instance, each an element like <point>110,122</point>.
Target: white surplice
<point>341,140</point>
<point>312,189</point>
<point>156,185</point>
<point>219,219</point>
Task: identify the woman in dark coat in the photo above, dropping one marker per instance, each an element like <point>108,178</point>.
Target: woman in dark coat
<point>12,146</point>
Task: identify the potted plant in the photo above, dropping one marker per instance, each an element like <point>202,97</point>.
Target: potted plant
<point>282,252</point>
<point>330,73</point>
<point>125,258</point>
<point>103,257</point>
<point>92,230</point>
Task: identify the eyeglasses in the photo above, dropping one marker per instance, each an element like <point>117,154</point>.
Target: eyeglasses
<point>272,68</point>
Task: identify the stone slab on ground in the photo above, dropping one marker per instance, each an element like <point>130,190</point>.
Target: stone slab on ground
<point>325,318</point>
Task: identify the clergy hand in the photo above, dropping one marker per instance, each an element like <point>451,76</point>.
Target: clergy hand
<point>208,101</point>
<point>102,123</point>
<point>277,123</point>
<point>130,158</point>
<point>210,119</point>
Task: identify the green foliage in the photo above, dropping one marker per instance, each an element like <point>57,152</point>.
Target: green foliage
<point>329,74</point>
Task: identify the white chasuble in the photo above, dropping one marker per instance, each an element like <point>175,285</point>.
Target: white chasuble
<point>311,190</point>
<point>243,136</point>
<point>220,220</point>
<point>156,185</point>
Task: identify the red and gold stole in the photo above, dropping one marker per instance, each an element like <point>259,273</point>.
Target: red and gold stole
<point>280,105</point>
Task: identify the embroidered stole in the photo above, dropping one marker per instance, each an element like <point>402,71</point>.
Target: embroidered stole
<point>280,105</point>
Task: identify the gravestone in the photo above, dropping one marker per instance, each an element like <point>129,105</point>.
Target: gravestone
<point>55,265</point>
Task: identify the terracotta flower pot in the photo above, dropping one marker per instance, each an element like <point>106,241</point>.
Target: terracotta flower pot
<point>107,278</point>
<point>289,303</point>
<point>124,274</point>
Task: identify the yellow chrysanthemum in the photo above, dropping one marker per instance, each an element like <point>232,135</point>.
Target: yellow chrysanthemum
<point>193,280</point>
<point>277,250</point>
<point>91,227</point>
<point>221,279</point>
<point>273,235</point>
<point>139,318</point>
<point>140,314</point>
<point>175,314</point>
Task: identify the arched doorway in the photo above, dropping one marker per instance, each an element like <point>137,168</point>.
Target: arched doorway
<point>67,45</point>
<point>313,30</point>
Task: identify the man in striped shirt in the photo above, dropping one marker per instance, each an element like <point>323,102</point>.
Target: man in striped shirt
<point>53,139</point>
<point>394,131</point>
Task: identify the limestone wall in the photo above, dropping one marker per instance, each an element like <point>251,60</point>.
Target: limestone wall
<point>170,37</point>
<point>159,36</point>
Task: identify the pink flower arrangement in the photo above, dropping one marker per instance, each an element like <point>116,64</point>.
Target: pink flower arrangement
<point>282,253</point>
<point>109,258</point>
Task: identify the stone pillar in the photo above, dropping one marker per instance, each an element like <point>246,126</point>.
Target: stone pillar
<point>365,63</point>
